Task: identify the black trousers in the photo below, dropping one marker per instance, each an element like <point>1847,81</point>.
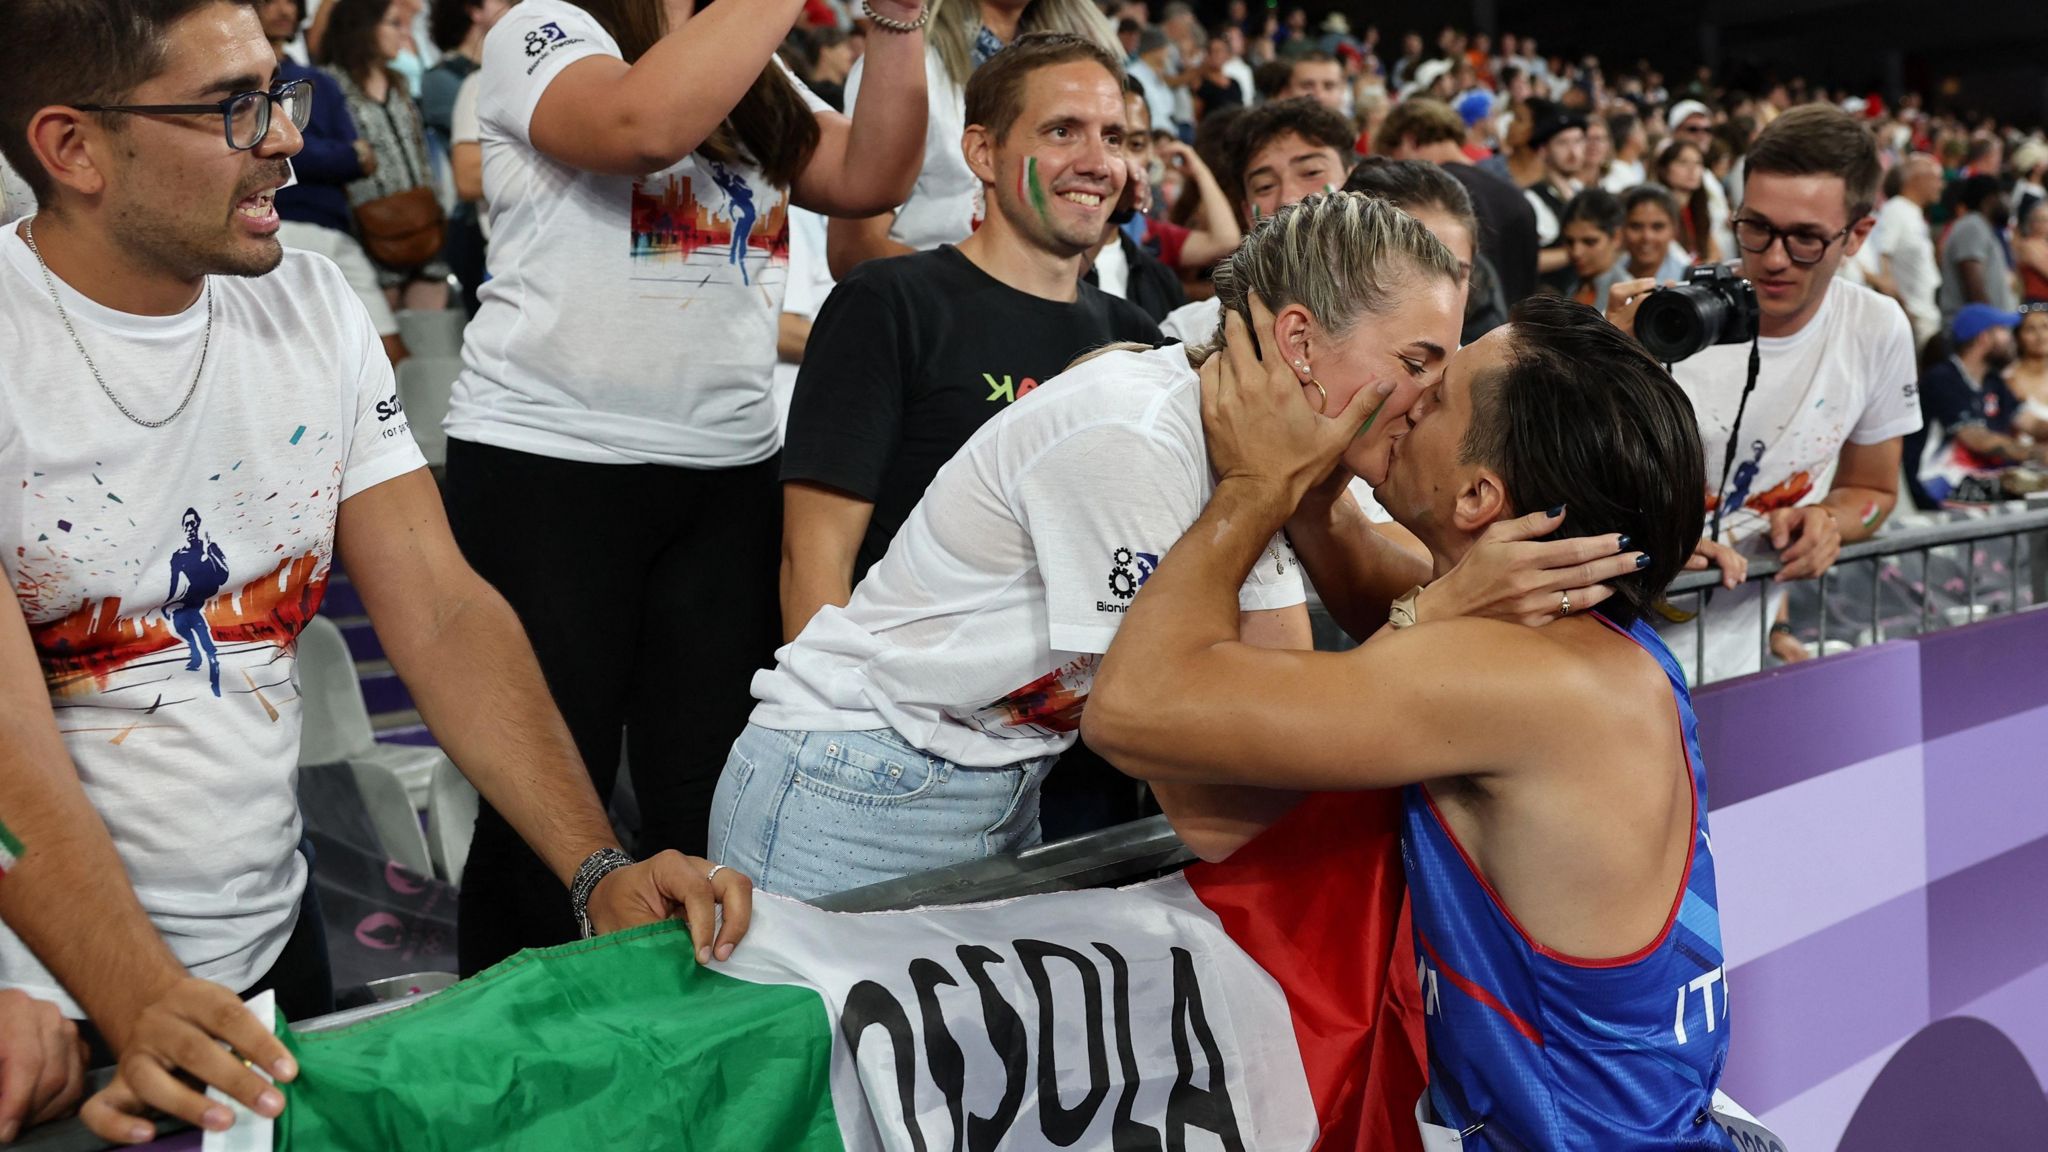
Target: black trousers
<point>302,976</point>
<point>650,595</point>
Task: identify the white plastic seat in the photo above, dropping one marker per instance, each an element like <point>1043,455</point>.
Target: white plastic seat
<point>424,385</point>
<point>337,722</point>
<point>436,333</point>
<point>451,821</point>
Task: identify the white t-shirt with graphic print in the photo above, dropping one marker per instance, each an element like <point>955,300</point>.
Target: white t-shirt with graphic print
<point>1847,377</point>
<point>977,636</point>
<point>165,573</point>
<point>627,319</point>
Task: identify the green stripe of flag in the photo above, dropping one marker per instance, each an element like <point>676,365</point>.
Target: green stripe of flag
<point>10,849</point>
<point>633,1045</point>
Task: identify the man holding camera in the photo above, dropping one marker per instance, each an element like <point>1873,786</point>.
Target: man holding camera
<point>1815,459</point>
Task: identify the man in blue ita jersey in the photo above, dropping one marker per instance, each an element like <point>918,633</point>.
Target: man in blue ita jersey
<point>1554,829</point>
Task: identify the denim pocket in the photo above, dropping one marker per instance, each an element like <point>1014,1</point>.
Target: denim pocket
<point>856,768</point>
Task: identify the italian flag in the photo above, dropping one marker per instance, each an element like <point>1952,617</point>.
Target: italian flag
<point>1263,1004</point>
<point>10,850</point>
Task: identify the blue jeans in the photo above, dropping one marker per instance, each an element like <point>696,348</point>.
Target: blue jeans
<point>806,814</point>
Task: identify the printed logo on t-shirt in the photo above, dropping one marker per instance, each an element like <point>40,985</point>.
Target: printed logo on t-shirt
<point>544,40</point>
<point>1005,390</point>
<point>704,227</point>
<point>1048,706</point>
<point>1128,572</point>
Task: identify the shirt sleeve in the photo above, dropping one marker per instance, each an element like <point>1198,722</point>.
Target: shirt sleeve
<point>524,53</point>
<point>1102,507</point>
<point>1970,240</point>
<point>846,414</point>
<point>381,446</point>
<point>462,125</point>
<point>1946,400</point>
<point>811,99</point>
<point>1893,410</point>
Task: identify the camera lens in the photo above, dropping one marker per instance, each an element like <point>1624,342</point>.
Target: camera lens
<point>1676,322</point>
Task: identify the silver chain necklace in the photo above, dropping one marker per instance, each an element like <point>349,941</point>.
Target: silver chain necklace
<point>28,233</point>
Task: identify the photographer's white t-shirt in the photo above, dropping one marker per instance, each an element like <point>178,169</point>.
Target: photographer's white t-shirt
<point>165,573</point>
<point>1847,377</point>
<point>976,637</point>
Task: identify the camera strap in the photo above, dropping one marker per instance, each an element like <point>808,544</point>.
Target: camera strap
<point>1735,434</point>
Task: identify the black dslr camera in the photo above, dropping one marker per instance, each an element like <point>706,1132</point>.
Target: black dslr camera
<point>1712,305</point>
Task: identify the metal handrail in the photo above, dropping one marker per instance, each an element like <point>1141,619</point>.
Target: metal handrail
<point>1998,526</point>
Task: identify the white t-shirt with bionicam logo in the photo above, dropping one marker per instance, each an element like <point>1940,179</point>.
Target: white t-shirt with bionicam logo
<point>165,573</point>
<point>627,320</point>
<point>1847,377</point>
<point>977,636</point>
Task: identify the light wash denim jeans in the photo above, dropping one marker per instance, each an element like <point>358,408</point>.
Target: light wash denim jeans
<point>806,814</point>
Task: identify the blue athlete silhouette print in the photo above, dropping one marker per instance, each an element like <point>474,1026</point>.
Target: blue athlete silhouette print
<point>741,197</point>
<point>204,571</point>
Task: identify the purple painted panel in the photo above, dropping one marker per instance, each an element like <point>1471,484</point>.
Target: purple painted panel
<point>1817,1006</point>
<point>341,598</point>
<point>1985,927</point>
<point>1761,733</point>
<point>362,642</point>
<point>1977,674</point>
<point>1987,790</point>
<point>385,692</point>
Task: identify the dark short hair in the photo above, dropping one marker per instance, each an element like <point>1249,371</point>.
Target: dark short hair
<point>448,23</point>
<point>1651,193</point>
<point>1821,140</point>
<point>1580,415</point>
<point>1596,206</point>
<point>1412,184</point>
<point>1621,124</point>
<point>1421,120</point>
<point>1977,189</point>
<point>77,52</point>
<point>1302,117</point>
<point>1270,77</point>
<point>995,94</point>
<point>349,45</point>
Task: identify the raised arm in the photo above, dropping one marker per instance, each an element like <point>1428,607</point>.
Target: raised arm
<point>604,115</point>
<point>1219,234</point>
<point>869,163</point>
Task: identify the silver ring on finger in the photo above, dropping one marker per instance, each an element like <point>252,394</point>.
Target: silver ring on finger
<point>715,870</point>
<point>1564,604</point>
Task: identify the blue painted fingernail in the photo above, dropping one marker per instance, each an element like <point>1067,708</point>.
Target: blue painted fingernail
<point>1557,511</point>
<point>1643,561</point>
<point>1621,545</point>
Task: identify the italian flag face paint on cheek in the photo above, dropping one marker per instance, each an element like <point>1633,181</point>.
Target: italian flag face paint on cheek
<point>1032,190</point>
<point>10,850</point>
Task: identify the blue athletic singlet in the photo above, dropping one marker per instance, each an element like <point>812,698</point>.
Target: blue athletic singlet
<point>1531,1049</point>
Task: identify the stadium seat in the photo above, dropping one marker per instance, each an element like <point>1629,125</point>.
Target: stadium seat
<point>424,383</point>
<point>432,334</point>
<point>337,722</point>
<point>451,821</point>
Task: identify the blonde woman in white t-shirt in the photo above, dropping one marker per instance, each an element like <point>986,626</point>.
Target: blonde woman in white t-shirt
<point>612,437</point>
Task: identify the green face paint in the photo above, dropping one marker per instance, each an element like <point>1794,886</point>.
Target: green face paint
<point>1035,192</point>
<point>1372,419</point>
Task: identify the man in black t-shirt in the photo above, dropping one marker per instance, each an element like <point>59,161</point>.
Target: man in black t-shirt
<point>911,354</point>
<point>1430,130</point>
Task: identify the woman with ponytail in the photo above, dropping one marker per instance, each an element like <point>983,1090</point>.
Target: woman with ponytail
<point>612,441</point>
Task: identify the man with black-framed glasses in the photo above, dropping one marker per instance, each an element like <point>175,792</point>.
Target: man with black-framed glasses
<point>1817,460</point>
<point>164,361</point>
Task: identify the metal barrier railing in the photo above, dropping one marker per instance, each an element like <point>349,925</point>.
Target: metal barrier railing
<point>2020,584</point>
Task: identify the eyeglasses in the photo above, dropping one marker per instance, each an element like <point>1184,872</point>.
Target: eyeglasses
<point>245,116</point>
<point>1802,248</point>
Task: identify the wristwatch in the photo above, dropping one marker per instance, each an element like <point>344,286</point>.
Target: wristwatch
<point>1401,613</point>
<point>595,867</point>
